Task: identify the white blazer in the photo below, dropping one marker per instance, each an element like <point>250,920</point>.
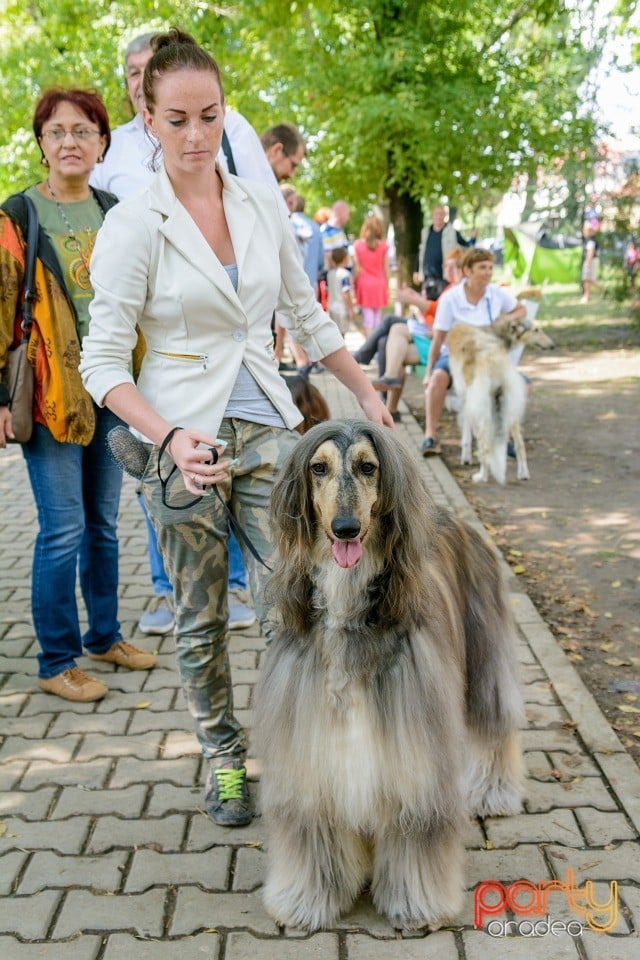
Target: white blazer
<point>151,266</point>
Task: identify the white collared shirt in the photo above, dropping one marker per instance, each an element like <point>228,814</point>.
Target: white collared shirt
<point>453,307</point>
<point>127,167</point>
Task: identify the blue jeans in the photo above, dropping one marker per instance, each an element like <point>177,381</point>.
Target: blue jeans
<point>159,578</point>
<point>77,494</point>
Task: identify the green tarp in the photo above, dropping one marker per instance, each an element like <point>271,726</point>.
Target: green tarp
<point>550,260</point>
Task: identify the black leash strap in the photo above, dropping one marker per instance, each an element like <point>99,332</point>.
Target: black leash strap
<point>235,526</point>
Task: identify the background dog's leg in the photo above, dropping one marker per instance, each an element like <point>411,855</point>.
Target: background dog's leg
<point>466,439</point>
<point>315,872</point>
<point>495,777</point>
<point>417,877</point>
<point>522,469</point>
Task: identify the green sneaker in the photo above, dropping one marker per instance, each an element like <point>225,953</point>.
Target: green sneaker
<point>226,798</point>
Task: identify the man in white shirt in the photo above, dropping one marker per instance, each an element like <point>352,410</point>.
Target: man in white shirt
<point>133,156</point>
<point>476,301</point>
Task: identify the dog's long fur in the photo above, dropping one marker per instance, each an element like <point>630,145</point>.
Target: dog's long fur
<point>388,705</point>
<point>493,392</point>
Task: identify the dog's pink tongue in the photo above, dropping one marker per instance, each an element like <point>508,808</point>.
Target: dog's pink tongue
<point>347,552</point>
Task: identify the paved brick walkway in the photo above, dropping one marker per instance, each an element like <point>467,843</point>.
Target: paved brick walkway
<point>105,853</point>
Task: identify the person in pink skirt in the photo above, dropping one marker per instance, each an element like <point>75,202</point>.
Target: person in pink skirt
<point>371,272</point>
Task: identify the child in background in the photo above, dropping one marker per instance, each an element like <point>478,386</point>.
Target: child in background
<point>371,272</point>
<point>339,290</point>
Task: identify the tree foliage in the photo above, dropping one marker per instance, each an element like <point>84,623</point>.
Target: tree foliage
<point>400,100</point>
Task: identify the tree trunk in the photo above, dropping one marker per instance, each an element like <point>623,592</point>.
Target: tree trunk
<point>406,217</point>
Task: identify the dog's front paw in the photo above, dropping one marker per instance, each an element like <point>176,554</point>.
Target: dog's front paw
<point>522,472</point>
<point>465,456</point>
<point>481,476</point>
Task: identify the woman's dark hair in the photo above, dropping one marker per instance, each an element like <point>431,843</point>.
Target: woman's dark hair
<point>87,101</point>
<point>309,401</point>
<point>175,50</point>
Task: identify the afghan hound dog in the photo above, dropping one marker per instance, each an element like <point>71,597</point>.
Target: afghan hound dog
<point>388,705</point>
<point>493,392</point>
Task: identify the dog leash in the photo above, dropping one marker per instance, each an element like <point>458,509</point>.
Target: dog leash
<point>132,456</point>
<point>235,526</point>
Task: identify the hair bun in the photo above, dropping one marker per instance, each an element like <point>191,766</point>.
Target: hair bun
<point>173,37</point>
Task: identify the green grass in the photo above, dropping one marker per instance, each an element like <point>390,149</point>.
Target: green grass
<point>599,325</point>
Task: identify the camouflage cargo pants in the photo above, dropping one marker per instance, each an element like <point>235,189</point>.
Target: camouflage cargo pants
<point>193,543</point>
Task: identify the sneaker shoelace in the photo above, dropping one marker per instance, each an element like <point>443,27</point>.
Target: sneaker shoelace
<point>160,600</point>
<point>127,649</point>
<point>74,676</point>
<point>230,783</point>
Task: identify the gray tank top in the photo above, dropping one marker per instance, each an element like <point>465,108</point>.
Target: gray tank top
<point>248,401</point>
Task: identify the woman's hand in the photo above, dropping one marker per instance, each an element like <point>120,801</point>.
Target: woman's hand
<point>376,411</point>
<point>191,452</point>
<point>6,430</point>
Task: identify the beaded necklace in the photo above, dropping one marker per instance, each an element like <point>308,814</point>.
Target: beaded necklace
<point>72,236</point>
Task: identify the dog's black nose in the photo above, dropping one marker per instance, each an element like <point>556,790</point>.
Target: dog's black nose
<point>346,528</point>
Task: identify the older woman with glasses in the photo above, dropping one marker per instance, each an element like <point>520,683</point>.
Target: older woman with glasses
<point>75,485</point>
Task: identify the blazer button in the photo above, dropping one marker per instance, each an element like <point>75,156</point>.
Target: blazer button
<point>238,335</point>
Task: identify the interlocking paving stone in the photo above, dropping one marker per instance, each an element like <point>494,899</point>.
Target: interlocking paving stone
<point>558,826</point>
<point>127,802</point>
<point>206,946</point>
<point>85,911</point>
<point>85,948</point>
<point>167,722</point>
<point>111,724</point>
<point>30,804</point>
<point>321,946</point>
<point>250,869</point>
<point>65,836</point>
<point>195,910</point>
<point>29,917</point>
<point>525,861</point>
<point>129,771</point>
<point>603,828</point>
<point>612,948</point>
<point>54,750</point>
<point>50,870</point>
<point>91,774</point>
<point>437,946</point>
<point>149,868</point>
<point>203,833</point>
<point>11,773</point>
<point>159,700</point>
<point>29,727</point>
<point>143,746</point>
<point>478,945</point>
<point>161,679</point>
<point>167,798</point>
<point>590,792</point>
<point>165,833</point>
<point>179,743</point>
<point>623,861</point>
<point>10,866</point>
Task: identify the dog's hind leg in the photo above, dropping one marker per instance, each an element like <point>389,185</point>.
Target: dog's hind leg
<point>522,468</point>
<point>466,439</point>
<point>417,877</point>
<point>315,872</point>
<point>495,776</point>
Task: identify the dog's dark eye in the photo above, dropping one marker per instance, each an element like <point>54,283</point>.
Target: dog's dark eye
<point>368,468</point>
<point>319,468</point>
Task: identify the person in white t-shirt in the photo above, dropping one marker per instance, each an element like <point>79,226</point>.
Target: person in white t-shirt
<point>475,301</point>
<point>134,156</point>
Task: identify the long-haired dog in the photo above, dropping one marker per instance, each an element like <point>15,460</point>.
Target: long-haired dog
<point>493,392</point>
<point>388,705</point>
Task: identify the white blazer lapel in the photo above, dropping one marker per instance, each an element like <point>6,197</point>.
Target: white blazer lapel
<point>182,233</point>
<point>241,218</point>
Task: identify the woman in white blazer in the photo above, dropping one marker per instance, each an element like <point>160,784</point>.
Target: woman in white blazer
<point>199,262</point>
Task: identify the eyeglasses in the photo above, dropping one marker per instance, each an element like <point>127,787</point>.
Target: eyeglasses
<point>294,163</point>
<point>173,488</point>
<point>79,134</point>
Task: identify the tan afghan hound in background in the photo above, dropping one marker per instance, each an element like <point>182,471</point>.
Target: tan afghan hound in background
<point>388,705</point>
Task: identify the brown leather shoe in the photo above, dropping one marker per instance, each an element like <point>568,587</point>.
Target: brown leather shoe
<point>74,684</point>
<point>126,655</point>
